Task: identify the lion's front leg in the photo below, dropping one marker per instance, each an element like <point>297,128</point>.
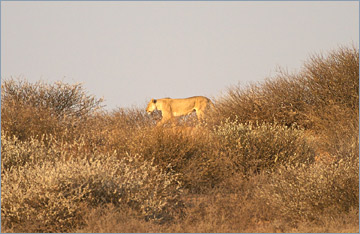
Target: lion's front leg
<point>163,120</point>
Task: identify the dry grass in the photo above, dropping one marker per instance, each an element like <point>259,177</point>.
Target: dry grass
<point>278,156</point>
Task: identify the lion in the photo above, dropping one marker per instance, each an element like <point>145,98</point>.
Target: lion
<point>171,108</point>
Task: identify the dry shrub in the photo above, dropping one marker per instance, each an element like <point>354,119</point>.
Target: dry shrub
<point>299,98</point>
<point>33,109</point>
<point>66,166</point>
<point>312,193</point>
<point>110,131</point>
<point>131,118</point>
<point>279,100</point>
<point>188,151</point>
<point>333,79</point>
<point>333,106</point>
<point>112,219</point>
<point>63,99</point>
<point>51,195</point>
<point>25,121</point>
<point>219,213</point>
<point>16,153</point>
<point>337,131</point>
<point>165,146</point>
<point>253,148</point>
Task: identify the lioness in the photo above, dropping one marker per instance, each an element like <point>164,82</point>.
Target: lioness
<point>171,108</point>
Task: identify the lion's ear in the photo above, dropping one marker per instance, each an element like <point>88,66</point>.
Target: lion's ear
<point>154,100</point>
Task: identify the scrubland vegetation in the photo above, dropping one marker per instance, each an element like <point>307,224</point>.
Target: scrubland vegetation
<point>276,156</point>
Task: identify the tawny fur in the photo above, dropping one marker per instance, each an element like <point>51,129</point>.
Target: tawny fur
<point>171,108</point>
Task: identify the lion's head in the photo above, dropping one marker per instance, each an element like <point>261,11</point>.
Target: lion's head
<point>151,106</point>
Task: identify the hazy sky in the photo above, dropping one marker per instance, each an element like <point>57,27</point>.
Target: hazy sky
<point>130,52</point>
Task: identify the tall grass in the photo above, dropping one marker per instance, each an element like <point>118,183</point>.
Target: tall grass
<point>277,156</point>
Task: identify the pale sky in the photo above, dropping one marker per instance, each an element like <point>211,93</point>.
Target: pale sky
<point>130,52</point>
